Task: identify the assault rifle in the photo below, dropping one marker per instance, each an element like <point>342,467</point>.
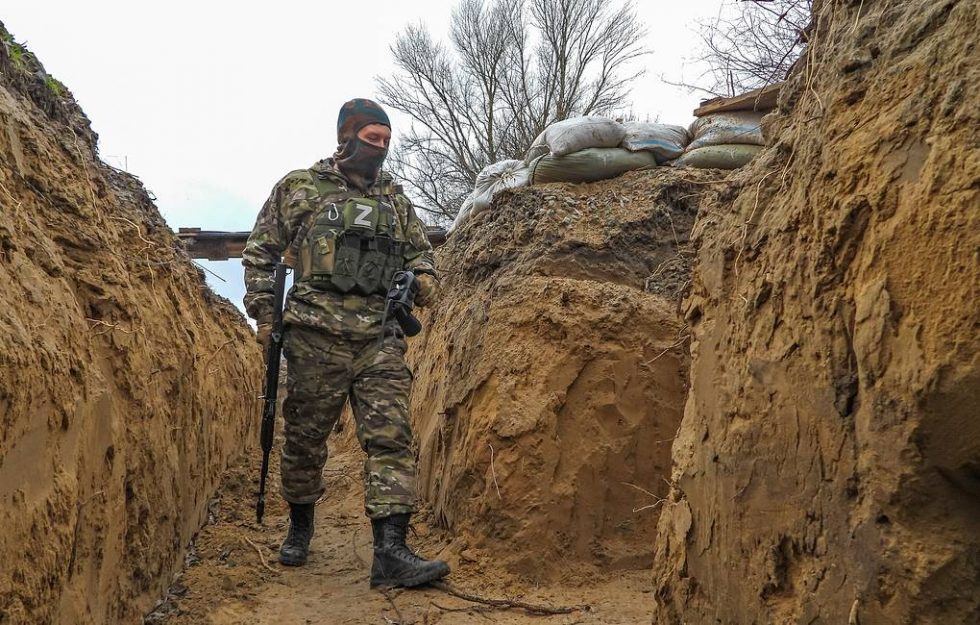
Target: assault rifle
<point>273,356</point>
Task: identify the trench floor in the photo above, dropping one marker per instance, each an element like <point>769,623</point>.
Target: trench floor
<point>232,577</point>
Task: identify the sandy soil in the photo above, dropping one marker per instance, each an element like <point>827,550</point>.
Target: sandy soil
<point>826,470</point>
<point>226,582</point>
<point>126,385</point>
<point>552,376</point>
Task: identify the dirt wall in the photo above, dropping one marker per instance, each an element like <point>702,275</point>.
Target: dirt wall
<point>828,466</point>
<point>551,378</point>
<point>126,385</point>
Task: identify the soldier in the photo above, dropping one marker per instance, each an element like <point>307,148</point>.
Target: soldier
<point>345,228</point>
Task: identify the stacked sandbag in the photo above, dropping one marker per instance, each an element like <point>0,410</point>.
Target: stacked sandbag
<point>735,127</point>
<point>574,134</point>
<point>723,140</point>
<point>665,141</point>
<point>579,149</point>
<point>494,178</point>
<point>725,156</point>
<point>583,149</point>
<point>588,165</point>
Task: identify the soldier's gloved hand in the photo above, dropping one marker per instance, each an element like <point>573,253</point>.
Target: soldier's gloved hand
<point>263,332</point>
<point>428,290</point>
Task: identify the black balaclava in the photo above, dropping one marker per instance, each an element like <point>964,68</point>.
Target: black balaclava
<point>359,161</point>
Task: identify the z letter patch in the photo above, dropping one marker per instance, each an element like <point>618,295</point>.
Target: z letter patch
<point>363,219</point>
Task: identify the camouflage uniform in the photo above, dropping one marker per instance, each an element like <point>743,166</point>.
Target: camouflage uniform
<point>332,343</point>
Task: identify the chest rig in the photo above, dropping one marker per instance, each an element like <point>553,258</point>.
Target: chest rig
<point>351,242</point>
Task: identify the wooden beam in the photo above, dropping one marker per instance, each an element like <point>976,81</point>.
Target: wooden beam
<point>212,244</point>
<point>756,100</point>
<point>220,245</point>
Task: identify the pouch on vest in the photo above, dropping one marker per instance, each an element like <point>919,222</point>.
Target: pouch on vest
<point>371,269</point>
<point>347,257</point>
<point>389,244</point>
<point>356,257</point>
<point>352,246</point>
<point>318,255</point>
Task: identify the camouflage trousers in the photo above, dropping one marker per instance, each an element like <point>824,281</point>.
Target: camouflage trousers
<point>323,370</point>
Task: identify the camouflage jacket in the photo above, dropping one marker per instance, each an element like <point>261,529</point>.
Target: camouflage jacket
<point>292,201</point>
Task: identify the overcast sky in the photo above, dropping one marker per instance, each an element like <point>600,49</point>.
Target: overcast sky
<point>210,102</point>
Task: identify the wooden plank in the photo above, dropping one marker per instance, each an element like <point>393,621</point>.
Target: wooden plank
<point>220,245</point>
<point>212,244</point>
<point>756,100</point>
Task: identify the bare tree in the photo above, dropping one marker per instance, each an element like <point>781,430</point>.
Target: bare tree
<point>510,68</point>
<point>753,43</point>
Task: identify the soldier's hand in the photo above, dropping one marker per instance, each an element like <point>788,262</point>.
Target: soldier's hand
<point>263,332</point>
<point>428,290</point>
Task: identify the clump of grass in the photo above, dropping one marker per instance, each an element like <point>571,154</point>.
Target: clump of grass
<point>21,58</point>
<point>55,86</point>
<point>18,54</point>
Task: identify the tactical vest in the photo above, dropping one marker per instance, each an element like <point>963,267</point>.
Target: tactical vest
<point>350,244</point>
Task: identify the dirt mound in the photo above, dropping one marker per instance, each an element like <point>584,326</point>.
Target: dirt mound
<point>828,465</point>
<point>126,386</point>
<point>549,382</point>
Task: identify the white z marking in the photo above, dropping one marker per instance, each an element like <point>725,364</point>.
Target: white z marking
<point>365,211</point>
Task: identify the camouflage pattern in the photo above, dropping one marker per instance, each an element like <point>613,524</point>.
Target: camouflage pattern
<point>356,114</point>
<point>323,370</point>
<point>293,200</point>
<point>332,347</point>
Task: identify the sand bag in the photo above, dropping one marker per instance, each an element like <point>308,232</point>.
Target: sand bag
<point>577,133</point>
<point>588,165</point>
<point>718,156</point>
<point>495,178</point>
<point>464,212</point>
<point>727,128</point>
<point>664,141</point>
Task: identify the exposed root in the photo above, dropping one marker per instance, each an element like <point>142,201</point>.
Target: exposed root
<point>110,326</point>
<point>215,353</point>
<point>510,604</point>
<point>261,556</point>
<point>674,346</point>
<point>470,609</point>
<point>659,500</point>
<point>493,472</point>
<point>388,595</point>
<point>203,268</point>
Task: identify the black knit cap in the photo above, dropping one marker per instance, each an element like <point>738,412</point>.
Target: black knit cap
<point>356,114</point>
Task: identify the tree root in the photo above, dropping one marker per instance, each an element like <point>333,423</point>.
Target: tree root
<point>508,604</point>
<point>261,556</point>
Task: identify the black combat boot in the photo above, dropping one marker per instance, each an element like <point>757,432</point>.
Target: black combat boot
<point>394,563</point>
<point>297,544</point>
